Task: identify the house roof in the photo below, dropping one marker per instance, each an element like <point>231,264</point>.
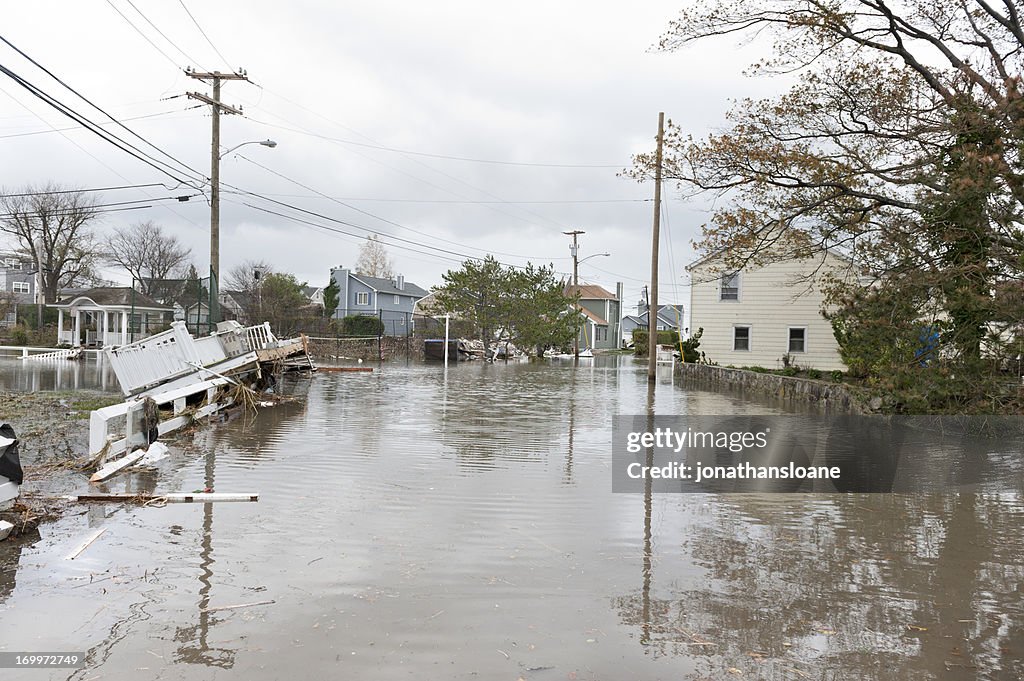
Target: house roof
<point>588,292</point>
<point>310,291</point>
<point>388,286</point>
<point>665,316</point>
<point>714,254</point>
<point>591,316</point>
<point>114,296</point>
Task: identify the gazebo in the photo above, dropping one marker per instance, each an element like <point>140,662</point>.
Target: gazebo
<point>109,315</point>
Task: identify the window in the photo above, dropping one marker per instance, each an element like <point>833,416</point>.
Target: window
<point>797,339</point>
<point>21,287</point>
<point>362,298</point>
<point>741,338</point>
<point>13,264</point>
<point>398,300</point>
<point>730,289</point>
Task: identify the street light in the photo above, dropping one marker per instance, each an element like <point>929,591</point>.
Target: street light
<point>576,286</point>
<point>214,314</point>
<point>265,143</point>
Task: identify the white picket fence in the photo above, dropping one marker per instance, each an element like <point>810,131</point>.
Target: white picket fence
<point>175,353</point>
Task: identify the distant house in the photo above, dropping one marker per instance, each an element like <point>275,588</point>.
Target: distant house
<point>17,285</point>
<point>109,315</point>
<point>315,294</point>
<point>670,318</point>
<point>760,315</point>
<point>392,300</point>
<point>602,312</point>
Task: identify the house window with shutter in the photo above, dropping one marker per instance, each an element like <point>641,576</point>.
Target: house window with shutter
<point>362,298</point>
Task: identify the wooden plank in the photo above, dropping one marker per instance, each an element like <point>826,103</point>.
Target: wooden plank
<point>115,467</point>
<point>342,369</point>
<point>84,545</point>
<point>170,497</point>
<point>236,607</point>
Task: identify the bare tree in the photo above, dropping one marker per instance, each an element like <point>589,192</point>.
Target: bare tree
<point>373,259</point>
<point>148,254</point>
<point>53,226</point>
<point>246,276</point>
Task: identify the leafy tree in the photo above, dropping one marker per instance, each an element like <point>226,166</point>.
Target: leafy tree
<point>147,253</point>
<point>54,226</point>
<point>475,292</point>
<point>373,259</point>
<point>540,315</point>
<point>525,306</point>
<point>331,298</point>
<point>283,303</point>
<point>900,143</point>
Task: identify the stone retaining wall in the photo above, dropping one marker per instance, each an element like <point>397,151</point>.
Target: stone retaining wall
<point>832,396</point>
<point>391,347</point>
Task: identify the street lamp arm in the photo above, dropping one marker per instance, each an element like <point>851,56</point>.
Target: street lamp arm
<point>265,143</point>
<point>594,256</point>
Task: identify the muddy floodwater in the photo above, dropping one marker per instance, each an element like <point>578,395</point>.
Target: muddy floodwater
<point>421,524</point>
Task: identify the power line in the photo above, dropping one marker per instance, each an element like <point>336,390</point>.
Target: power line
<point>131,118</point>
<point>182,3</point>
<point>157,29</point>
<point>90,103</point>
<point>438,156</point>
<point>91,126</point>
<point>374,216</point>
<point>82,191</point>
<point>435,170</point>
<point>90,208</point>
<point>145,37</point>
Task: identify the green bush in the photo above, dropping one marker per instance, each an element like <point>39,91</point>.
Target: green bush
<point>813,373</point>
<point>361,325</point>
<point>641,340</point>
<point>19,335</point>
<point>790,371</point>
<point>837,376</point>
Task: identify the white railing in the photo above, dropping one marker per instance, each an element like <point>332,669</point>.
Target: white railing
<point>67,353</point>
<point>174,353</point>
<point>156,359</point>
<point>260,337</point>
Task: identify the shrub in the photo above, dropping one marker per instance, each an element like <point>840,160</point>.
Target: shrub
<point>790,371</point>
<point>813,373</point>
<point>361,325</point>
<point>837,376</point>
<point>640,340</point>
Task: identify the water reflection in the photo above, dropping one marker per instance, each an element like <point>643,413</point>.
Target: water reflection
<point>459,523</point>
<point>57,375</point>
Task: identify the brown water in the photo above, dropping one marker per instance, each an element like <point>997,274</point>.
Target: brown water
<point>417,525</point>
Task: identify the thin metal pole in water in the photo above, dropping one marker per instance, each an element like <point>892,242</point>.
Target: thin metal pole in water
<point>446,340</point>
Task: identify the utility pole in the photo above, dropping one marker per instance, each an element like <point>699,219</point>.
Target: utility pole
<point>652,306</point>
<point>216,107</point>
<point>574,249</point>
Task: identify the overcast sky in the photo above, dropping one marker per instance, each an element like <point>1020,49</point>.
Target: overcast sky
<point>569,83</point>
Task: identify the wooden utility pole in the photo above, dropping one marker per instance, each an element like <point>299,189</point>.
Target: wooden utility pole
<point>216,107</point>
<point>652,306</point>
<point>574,249</point>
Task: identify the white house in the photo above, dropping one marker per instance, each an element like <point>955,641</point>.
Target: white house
<point>762,313</point>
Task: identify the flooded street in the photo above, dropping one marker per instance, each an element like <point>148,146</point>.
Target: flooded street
<point>421,524</point>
